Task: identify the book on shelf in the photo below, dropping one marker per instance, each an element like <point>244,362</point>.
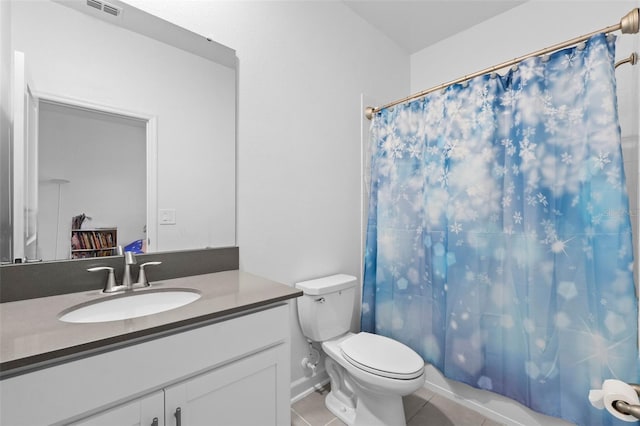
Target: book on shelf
<point>94,242</point>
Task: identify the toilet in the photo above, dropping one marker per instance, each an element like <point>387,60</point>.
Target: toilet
<point>369,373</point>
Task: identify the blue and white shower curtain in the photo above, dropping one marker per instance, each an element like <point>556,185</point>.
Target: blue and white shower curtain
<point>499,239</point>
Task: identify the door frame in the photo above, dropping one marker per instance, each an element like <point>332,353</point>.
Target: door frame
<point>24,161</point>
<point>151,152</point>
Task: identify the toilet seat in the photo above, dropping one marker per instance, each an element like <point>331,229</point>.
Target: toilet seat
<point>382,356</point>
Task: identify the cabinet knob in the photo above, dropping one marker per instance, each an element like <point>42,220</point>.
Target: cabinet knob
<point>178,416</point>
<point>154,422</point>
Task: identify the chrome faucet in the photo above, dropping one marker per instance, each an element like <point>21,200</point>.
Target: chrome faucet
<point>127,282</point>
<point>142,276</point>
<point>111,285</point>
<point>129,259</point>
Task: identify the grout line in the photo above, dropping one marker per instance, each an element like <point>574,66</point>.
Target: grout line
<point>417,411</point>
<point>331,421</point>
<point>298,414</point>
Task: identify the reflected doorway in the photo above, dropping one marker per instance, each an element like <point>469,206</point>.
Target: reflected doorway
<point>94,163</point>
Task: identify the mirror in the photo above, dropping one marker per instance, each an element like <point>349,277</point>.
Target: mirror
<point>91,65</point>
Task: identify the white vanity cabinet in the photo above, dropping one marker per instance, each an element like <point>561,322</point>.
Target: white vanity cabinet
<point>241,393</point>
<point>231,372</point>
<point>147,411</point>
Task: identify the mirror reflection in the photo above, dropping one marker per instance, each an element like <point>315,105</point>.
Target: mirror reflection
<point>130,131</point>
<point>78,149</point>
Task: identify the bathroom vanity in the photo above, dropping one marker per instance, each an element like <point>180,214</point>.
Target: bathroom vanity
<point>203,363</point>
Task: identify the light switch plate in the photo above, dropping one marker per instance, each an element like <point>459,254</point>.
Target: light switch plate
<point>167,216</point>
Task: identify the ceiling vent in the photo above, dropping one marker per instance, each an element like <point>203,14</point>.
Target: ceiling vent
<point>95,4</point>
<point>105,7</point>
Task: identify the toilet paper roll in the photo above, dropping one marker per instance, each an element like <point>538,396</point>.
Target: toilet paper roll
<point>616,390</point>
<point>596,398</point>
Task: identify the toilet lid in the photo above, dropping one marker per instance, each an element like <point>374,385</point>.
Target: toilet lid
<point>382,356</point>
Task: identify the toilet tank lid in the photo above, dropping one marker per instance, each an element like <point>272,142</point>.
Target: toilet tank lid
<point>328,284</point>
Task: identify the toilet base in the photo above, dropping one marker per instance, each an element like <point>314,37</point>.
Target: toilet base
<point>358,405</point>
<point>339,409</point>
<point>371,410</point>
<point>374,409</point>
<point>359,398</point>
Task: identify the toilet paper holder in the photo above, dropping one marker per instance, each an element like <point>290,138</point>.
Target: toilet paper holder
<point>628,409</point>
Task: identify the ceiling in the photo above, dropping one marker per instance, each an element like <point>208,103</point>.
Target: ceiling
<point>417,24</point>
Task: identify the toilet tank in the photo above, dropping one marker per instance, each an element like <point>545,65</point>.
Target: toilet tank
<point>326,308</point>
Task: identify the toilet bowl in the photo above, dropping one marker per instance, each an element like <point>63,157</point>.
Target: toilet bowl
<point>369,373</point>
<point>378,391</point>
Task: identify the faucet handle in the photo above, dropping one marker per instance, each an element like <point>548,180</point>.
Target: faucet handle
<point>111,285</point>
<point>142,276</point>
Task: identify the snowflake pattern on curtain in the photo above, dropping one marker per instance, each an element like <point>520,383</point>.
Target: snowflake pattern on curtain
<point>499,239</point>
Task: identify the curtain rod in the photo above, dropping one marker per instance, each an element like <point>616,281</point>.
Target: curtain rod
<point>629,24</point>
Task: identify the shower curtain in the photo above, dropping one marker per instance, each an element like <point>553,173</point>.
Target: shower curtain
<point>499,239</point>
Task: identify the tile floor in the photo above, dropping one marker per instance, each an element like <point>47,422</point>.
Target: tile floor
<point>421,408</point>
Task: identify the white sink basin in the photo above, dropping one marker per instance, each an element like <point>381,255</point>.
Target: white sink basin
<point>130,305</point>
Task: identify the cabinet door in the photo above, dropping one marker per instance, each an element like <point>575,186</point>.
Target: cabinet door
<point>242,393</point>
<point>146,411</point>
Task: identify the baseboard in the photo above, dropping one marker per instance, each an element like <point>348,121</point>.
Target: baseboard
<point>305,385</point>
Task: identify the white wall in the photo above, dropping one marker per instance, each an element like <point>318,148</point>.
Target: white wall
<point>527,28</point>
<point>303,66</point>
<point>80,57</point>
<point>104,159</point>
<point>5,135</point>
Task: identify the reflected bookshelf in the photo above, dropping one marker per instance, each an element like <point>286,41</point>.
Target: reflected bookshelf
<point>96,242</point>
